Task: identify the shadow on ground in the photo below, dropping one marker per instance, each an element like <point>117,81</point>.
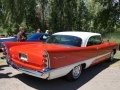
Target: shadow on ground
<point>3,66</point>
<point>61,83</point>
<point>2,75</point>
<point>6,75</point>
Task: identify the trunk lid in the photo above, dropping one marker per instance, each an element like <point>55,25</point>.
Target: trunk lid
<point>33,55</point>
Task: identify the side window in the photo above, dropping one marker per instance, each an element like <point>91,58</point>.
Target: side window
<point>94,40</point>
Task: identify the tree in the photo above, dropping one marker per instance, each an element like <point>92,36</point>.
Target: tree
<point>107,18</point>
<point>60,15</point>
<point>63,15</point>
<point>83,17</point>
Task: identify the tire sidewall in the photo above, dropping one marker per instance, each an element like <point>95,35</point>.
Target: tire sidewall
<point>73,75</point>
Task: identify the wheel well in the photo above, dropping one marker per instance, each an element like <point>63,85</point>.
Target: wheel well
<point>83,66</point>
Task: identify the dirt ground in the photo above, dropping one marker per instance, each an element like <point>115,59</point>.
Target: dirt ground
<point>104,76</point>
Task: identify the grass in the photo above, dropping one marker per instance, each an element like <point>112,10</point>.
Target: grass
<point>113,37</point>
<point>117,60</point>
<point>117,55</point>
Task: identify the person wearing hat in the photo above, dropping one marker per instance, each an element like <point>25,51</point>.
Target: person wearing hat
<point>21,36</point>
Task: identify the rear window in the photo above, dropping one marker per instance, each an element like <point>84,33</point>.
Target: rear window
<point>65,40</point>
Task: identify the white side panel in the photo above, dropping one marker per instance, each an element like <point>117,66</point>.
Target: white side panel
<point>65,70</point>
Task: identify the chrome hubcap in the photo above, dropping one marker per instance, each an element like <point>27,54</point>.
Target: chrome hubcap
<point>76,72</point>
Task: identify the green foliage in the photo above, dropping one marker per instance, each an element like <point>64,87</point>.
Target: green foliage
<point>60,15</point>
<point>107,19</point>
<point>113,37</point>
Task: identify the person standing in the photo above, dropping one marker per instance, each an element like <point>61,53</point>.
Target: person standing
<point>8,35</point>
<point>47,31</point>
<point>21,35</point>
<point>38,30</point>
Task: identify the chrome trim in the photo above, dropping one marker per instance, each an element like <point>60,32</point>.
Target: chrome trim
<point>58,72</point>
<point>6,49</point>
<point>48,58</point>
<point>43,75</point>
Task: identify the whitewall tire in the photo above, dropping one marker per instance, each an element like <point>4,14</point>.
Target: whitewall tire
<point>74,73</point>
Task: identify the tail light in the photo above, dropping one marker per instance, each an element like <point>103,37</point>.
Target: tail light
<point>46,60</point>
<point>4,49</point>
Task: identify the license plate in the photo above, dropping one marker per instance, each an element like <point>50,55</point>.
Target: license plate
<point>23,57</point>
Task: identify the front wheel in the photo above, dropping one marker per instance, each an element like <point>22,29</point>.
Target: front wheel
<point>112,56</point>
<point>74,73</point>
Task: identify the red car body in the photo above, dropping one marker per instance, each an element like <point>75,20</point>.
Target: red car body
<point>51,60</point>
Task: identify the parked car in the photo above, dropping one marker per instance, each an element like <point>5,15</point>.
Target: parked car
<point>7,39</point>
<point>38,37</point>
<point>63,54</point>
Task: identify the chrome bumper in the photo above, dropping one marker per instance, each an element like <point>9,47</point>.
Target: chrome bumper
<point>43,75</point>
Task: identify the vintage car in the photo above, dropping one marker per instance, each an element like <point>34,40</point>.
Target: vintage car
<point>63,54</point>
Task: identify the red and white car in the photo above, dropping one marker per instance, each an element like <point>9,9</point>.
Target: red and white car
<point>63,54</point>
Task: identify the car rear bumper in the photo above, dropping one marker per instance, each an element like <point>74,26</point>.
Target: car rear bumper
<point>43,75</point>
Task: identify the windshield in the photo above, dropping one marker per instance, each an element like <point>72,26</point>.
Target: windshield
<point>64,40</point>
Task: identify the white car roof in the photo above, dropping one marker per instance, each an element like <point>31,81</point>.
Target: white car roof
<point>83,35</point>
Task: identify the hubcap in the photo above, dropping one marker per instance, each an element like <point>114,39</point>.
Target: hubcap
<point>76,72</point>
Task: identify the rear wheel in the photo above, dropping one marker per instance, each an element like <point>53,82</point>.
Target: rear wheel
<point>75,73</point>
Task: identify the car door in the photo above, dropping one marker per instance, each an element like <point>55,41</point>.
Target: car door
<point>104,51</point>
<point>100,49</point>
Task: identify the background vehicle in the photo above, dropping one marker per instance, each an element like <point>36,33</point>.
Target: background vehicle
<point>7,39</point>
<point>38,37</point>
